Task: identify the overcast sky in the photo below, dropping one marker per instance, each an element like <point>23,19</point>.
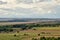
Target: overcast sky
<point>29,8</point>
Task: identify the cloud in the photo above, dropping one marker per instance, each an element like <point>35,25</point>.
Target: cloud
<point>28,8</point>
<point>1,2</point>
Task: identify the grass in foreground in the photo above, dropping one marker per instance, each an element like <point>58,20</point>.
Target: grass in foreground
<point>31,33</point>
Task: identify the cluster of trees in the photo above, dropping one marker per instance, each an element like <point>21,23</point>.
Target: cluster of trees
<point>6,28</point>
<point>47,38</point>
<point>29,26</point>
<point>25,26</point>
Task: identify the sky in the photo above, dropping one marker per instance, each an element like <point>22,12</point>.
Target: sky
<point>29,8</point>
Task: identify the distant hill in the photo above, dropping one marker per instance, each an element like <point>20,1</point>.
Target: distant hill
<point>28,19</point>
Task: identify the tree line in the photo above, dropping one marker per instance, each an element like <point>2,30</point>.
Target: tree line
<point>25,26</point>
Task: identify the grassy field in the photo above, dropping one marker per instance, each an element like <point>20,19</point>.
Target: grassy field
<point>14,23</point>
<point>32,33</point>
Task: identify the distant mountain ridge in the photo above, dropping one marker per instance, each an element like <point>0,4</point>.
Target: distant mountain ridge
<point>27,19</point>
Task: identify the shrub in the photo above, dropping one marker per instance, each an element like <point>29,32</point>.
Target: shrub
<point>17,31</point>
<point>34,39</point>
<point>25,34</point>
<point>58,38</point>
<point>38,34</point>
<point>34,29</point>
<point>42,38</point>
<point>15,35</point>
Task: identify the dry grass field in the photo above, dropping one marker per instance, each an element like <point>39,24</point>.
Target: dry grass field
<point>35,32</point>
<point>13,23</point>
<point>32,33</point>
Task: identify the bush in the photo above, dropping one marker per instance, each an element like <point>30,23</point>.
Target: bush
<point>58,38</point>
<point>38,34</point>
<point>34,29</point>
<point>17,31</point>
<point>34,39</point>
<point>49,38</point>
<point>25,34</point>
<point>42,38</point>
<point>15,35</point>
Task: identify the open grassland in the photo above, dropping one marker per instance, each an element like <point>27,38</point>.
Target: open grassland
<point>35,32</point>
<point>14,23</point>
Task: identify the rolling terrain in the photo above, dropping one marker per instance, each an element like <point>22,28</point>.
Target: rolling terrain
<point>29,29</point>
<point>12,21</point>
